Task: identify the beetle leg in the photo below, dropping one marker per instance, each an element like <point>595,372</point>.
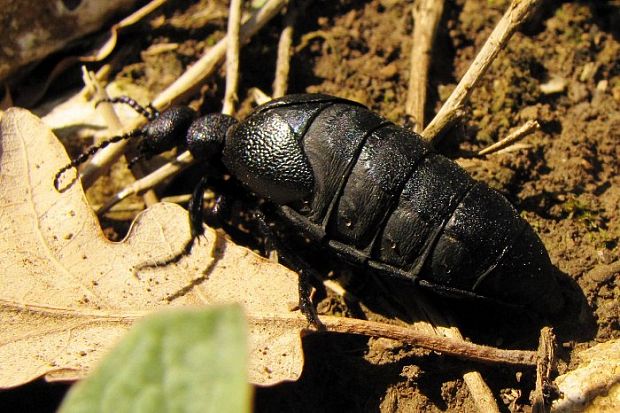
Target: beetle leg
<point>196,222</point>
<point>315,232</point>
<point>297,264</point>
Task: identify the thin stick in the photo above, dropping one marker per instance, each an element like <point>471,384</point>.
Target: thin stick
<point>185,85</point>
<point>170,169</point>
<point>232,57</point>
<point>285,49</point>
<point>114,125</point>
<point>189,81</point>
<point>259,96</point>
<point>524,130</point>
<point>426,16</point>
<point>448,346</point>
<point>442,326</point>
<point>544,367</point>
<point>106,109</point>
<point>517,13</point>
<point>105,50</point>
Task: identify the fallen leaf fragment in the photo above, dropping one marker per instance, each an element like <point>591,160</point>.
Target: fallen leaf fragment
<point>38,29</point>
<point>594,386</point>
<point>67,294</point>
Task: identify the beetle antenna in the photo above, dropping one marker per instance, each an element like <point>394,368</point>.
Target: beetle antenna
<point>135,160</point>
<point>148,112</point>
<point>83,157</point>
<point>144,152</point>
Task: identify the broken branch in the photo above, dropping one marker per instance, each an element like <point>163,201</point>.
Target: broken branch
<point>517,13</point>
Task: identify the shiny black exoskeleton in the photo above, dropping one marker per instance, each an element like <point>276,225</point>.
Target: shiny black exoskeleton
<point>370,191</point>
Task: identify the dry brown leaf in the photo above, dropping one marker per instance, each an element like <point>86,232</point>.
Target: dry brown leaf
<point>67,294</point>
<point>594,385</point>
<point>106,49</point>
<point>38,29</point>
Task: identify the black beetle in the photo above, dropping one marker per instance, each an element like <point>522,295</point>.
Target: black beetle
<point>368,190</point>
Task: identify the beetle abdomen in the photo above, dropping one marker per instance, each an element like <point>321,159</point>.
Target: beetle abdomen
<point>379,189</point>
<point>332,143</point>
<point>427,200</point>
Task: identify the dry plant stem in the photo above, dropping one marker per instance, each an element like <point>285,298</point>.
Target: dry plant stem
<point>447,346</point>
<point>285,48</point>
<point>107,110</point>
<point>517,13</point>
<point>185,198</point>
<point>544,367</point>
<point>187,83</point>
<point>442,326</point>
<point>444,345</point>
<point>524,130</point>
<point>426,16</point>
<point>114,125</point>
<point>232,57</point>
<point>170,169</point>
<point>149,197</point>
<point>339,290</point>
<point>259,96</point>
<point>184,86</point>
<point>514,147</point>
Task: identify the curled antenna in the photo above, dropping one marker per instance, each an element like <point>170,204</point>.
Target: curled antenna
<point>148,112</point>
<point>81,158</point>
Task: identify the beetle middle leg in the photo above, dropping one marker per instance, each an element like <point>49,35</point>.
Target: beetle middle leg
<point>297,264</point>
<point>217,215</point>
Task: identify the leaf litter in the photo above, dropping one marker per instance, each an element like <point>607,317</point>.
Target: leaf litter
<point>67,293</point>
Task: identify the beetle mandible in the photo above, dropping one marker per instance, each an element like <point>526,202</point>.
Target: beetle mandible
<point>366,189</point>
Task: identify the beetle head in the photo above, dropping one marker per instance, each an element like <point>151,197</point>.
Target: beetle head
<point>166,131</point>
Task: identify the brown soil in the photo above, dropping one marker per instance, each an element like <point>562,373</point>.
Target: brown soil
<point>567,183</point>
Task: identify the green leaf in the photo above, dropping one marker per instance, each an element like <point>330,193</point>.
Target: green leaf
<point>179,361</point>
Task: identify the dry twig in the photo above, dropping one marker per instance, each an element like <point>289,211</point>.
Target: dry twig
<point>232,57</point>
<point>544,367</point>
<point>521,132</point>
<point>151,180</point>
<point>446,345</point>
<point>285,49</point>
<point>105,50</point>
<point>441,326</point>
<point>426,16</point>
<point>517,13</point>
<point>114,125</point>
<point>259,96</point>
<point>184,86</point>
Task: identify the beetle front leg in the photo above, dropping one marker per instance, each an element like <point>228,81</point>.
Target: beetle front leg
<point>297,264</point>
<point>196,214</point>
